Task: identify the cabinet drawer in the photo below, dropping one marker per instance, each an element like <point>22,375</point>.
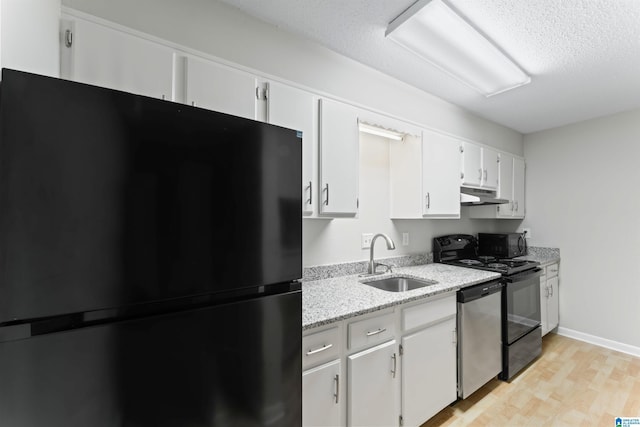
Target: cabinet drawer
<point>371,331</point>
<point>428,312</point>
<point>320,347</point>
<point>552,270</point>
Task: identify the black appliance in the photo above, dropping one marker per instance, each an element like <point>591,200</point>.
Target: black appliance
<point>149,262</point>
<point>521,334</point>
<point>502,245</point>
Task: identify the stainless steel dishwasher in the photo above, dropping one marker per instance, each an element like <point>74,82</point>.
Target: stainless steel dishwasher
<point>479,336</point>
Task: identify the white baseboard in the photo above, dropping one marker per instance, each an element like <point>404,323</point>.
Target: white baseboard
<point>602,342</point>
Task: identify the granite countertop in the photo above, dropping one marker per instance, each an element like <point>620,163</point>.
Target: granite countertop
<point>330,300</point>
<point>542,255</point>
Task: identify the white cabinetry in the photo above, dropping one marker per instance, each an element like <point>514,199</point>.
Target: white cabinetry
<point>321,396</point>
<point>293,108</point>
<point>322,385</point>
<point>479,166</point>
<point>512,181</point>
<point>549,298</point>
<point>339,153</point>
<point>372,386</point>
<point>424,179</point>
<point>105,57</point>
<point>220,88</point>
<point>428,358</point>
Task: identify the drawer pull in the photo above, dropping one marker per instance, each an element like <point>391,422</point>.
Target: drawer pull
<point>379,331</point>
<point>318,350</point>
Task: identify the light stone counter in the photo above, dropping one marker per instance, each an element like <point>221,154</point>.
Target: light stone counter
<point>542,255</point>
<point>330,300</point>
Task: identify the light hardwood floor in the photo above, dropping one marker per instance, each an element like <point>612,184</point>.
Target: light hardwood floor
<point>571,384</point>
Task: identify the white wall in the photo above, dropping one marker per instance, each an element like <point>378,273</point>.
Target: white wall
<point>29,35</point>
<point>220,30</point>
<point>582,196</point>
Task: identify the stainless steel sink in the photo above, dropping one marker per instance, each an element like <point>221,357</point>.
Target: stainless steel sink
<point>399,284</point>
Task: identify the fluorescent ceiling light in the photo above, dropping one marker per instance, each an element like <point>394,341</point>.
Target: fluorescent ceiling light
<point>375,130</point>
<point>434,32</point>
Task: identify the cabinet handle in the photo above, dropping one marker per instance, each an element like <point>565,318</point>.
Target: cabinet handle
<point>551,289</point>
<point>309,200</point>
<point>336,380</point>
<point>395,362</point>
<point>68,38</point>
<point>517,206</point>
<point>480,174</point>
<point>513,206</point>
<point>546,291</point>
<point>326,189</point>
<point>318,350</point>
<point>379,331</point>
<point>428,200</point>
<point>486,177</point>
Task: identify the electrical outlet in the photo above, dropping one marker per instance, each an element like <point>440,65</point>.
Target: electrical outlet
<point>527,233</point>
<point>366,240</point>
<point>405,239</point>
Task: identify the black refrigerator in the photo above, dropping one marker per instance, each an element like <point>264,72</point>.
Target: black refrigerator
<point>150,256</point>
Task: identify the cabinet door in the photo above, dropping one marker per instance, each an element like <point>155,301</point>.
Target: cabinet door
<point>544,302</point>
<point>428,372</point>
<point>372,386</point>
<point>472,172</point>
<point>216,87</point>
<point>294,109</point>
<point>441,182</point>
<point>321,400</point>
<point>105,57</point>
<point>518,187</point>
<point>490,162</point>
<point>505,187</point>
<point>553,303</point>
<point>338,142</point>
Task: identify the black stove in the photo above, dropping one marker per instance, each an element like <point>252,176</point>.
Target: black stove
<point>462,250</point>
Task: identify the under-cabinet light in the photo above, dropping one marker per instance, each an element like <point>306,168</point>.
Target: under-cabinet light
<point>433,31</point>
<point>374,130</point>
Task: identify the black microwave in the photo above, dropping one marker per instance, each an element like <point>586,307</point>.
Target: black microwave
<point>502,245</point>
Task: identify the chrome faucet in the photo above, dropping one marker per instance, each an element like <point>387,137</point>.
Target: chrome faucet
<point>371,269</point>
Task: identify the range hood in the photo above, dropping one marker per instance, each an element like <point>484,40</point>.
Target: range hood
<point>478,197</point>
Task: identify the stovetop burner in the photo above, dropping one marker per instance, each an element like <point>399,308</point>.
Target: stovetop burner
<point>470,262</point>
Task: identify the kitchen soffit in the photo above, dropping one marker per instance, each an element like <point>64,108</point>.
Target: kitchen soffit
<point>583,56</point>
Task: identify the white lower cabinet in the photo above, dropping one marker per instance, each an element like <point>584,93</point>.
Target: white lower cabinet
<point>428,372</point>
<point>321,397</point>
<point>549,298</point>
<point>399,366</point>
<point>372,386</point>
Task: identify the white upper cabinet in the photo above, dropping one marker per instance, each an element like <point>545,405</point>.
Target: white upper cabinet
<point>511,188</point>
<point>105,57</point>
<point>479,166</point>
<point>217,87</point>
<point>424,177</point>
<point>518,187</point>
<point>472,171</point>
<point>293,108</point>
<point>339,154</point>
<point>440,179</point>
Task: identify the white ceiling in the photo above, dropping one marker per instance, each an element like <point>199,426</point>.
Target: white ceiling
<point>583,55</point>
